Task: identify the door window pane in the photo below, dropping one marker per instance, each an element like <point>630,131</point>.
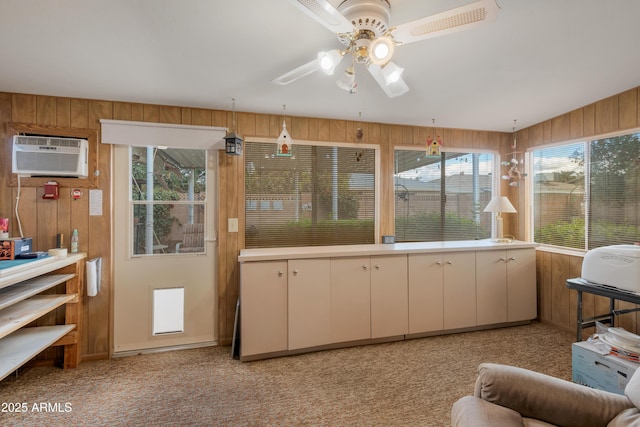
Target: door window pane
<point>168,194</point>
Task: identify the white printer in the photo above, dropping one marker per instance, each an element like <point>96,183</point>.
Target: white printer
<point>617,265</point>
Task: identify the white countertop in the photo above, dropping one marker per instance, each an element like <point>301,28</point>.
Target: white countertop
<point>268,254</point>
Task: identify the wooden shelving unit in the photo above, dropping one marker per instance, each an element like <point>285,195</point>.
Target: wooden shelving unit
<point>25,298</point>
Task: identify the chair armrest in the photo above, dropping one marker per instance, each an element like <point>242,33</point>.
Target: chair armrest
<point>471,411</point>
<point>540,396</point>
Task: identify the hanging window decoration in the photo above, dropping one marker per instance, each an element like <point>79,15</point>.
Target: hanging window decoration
<point>513,174</point>
<point>284,141</point>
<point>433,145</point>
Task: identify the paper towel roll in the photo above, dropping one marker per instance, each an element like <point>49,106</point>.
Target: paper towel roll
<point>93,267</point>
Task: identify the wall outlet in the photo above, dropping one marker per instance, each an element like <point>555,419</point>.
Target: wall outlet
<point>233,225</point>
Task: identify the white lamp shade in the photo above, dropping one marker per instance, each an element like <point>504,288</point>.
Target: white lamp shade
<point>328,61</point>
<point>391,73</point>
<point>500,204</point>
<point>381,50</point>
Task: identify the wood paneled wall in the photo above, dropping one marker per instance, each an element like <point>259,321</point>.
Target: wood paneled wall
<point>557,304</point>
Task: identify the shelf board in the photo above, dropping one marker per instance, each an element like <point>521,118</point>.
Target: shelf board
<point>19,347</point>
<point>16,293</point>
<point>26,311</point>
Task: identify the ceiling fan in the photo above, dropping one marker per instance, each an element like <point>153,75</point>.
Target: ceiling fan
<point>362,26</point>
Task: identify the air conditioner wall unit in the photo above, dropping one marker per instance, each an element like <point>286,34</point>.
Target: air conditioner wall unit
<point>50,156</point>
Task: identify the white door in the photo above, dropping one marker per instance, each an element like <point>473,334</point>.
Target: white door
<point>164,248</point>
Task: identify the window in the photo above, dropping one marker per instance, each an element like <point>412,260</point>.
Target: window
<point>168,194</point>
<point>587,194</point>
<point>320,195</point>
<point>442,197</point>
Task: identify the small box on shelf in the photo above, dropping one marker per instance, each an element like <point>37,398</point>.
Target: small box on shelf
<point>11,247</point>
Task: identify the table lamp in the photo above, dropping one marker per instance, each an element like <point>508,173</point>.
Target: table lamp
<point>498,205</point>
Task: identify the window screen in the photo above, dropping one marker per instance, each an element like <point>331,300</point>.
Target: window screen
<point>320,195</point>
<point>442,197</point>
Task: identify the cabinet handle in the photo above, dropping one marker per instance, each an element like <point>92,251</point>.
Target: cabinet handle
<point>280,273</point>
<point>503,259</point>
<point>449,262</point>
<point>512,258</point>
<point>365,266</point>
<point>439,262</point>
<point>377,267</point>
<point>295,272</point>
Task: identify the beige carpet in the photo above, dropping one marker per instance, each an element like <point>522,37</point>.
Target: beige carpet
<point>409,383</point>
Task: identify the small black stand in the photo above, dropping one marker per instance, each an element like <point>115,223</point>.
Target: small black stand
<point>235,343</point>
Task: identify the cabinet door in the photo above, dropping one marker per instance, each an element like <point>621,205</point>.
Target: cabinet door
<point>389,296</point>
<point>350,299</point>
<point>491,287</point>
<point>426,293</point>
<point>309,302</point>
<point>263,307</point>
<point>459,289</point>
<point>521,284</point>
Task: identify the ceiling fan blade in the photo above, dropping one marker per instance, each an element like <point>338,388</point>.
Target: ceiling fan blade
<point>327,15</point>
<point>297,73</point>
<point>450,21</point>
<point>392,90</point>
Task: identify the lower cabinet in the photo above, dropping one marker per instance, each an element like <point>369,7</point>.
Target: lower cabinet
<point>491,283</point>
<point>309,302</point>
<point>426,293</point>
<point>369,297</point>
<point>350,299</point>
<point>389,296</point>
<point>300,303</point>
<point>263,307</point>
<point>506,286</point>
<point>459,284</point>
<point>521,285</point>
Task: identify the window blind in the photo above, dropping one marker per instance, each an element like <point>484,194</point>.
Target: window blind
<point>559,195</point>
<point>320,195</point>
<point>614,202</point>
<point>439,198</point>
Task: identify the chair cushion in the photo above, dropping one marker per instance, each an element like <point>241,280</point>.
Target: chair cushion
<point>628,417</point>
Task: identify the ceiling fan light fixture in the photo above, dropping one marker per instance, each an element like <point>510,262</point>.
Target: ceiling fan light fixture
<point>328,61</point>
<point>381,50</point>
<point>348,80</point>
<point>391,73</point>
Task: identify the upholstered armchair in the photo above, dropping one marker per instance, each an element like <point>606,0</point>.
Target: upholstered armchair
<point>510,396</point>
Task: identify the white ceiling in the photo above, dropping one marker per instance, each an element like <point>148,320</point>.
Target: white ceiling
<point>538,59</point>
